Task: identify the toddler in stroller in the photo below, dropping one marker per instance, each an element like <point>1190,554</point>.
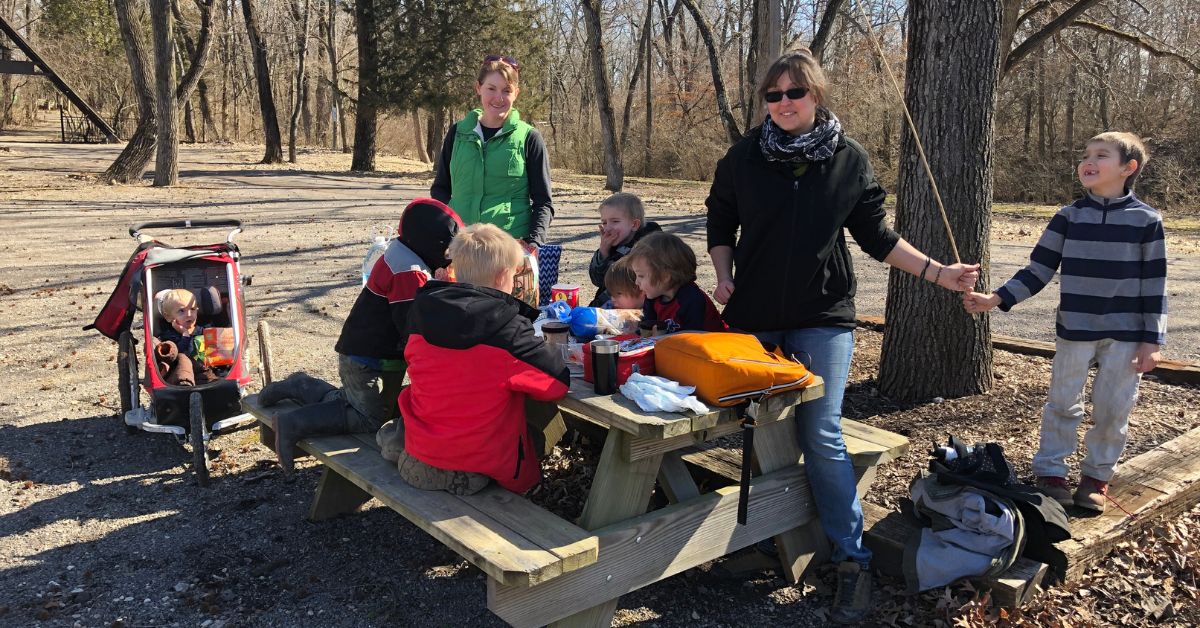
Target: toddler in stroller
<point>179,345</point>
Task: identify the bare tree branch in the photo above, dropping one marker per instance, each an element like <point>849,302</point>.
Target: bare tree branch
<point>1140,42</point>
<point>1035,41</point>
<point>822,36</point>
<point>731,126</point>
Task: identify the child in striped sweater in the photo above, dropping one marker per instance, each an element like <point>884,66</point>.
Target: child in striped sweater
<point>1110,250</point>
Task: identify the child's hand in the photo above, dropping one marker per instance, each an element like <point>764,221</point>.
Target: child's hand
<point>976,302</point>
<point>723,291</point>
<point>1147,357</point>
<point>608,240</point>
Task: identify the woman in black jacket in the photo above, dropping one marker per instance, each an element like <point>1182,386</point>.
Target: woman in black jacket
<point>792,186</point>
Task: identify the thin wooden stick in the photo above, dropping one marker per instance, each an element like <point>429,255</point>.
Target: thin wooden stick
<point>937,195</point>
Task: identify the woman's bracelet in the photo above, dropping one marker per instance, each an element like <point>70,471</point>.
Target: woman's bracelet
<point>939,273</point>
<point>924,268</point>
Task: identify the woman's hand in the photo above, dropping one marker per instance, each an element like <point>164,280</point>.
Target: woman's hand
<point>723,291</point>
<point>958,277</point>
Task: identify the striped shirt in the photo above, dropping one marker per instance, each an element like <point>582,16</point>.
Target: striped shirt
<point>1113,260</point>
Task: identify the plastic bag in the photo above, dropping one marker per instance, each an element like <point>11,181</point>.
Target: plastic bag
<point>658,394</point>
<point>525,287</point>
<point>586,322</point>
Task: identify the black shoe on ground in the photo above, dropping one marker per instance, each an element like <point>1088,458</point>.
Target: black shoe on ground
<point>853,600</point>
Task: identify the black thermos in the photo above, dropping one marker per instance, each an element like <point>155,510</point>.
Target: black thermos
<point>604,366</point>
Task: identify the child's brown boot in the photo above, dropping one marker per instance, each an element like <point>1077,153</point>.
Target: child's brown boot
<point>1091,494</point>
<point>1055,488</point>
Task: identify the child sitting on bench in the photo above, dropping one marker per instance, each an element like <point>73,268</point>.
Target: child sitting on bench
<point>476,407</point>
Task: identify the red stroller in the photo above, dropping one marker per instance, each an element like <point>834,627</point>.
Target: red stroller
<point>193,414</point>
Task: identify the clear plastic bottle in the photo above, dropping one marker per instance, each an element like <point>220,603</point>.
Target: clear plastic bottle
<point>378,246</point>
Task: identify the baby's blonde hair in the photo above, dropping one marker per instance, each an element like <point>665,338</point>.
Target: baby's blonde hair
<point>480,252</point>
<point>172,300</point>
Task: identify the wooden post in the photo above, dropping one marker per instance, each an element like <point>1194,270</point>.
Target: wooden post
<point>620,490</point>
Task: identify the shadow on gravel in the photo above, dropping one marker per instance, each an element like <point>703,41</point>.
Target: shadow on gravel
<point>107,473</point>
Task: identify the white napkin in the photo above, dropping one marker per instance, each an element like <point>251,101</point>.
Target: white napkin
<point>658,394</point>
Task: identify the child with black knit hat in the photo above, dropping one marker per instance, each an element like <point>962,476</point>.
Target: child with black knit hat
<point>371,346</point>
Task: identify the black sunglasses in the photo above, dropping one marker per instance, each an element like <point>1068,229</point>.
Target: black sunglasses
<point>505,59</point>
<point>795,93</point>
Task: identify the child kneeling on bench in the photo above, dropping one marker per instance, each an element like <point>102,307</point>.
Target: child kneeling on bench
<point>370,348</point>
<point>479,404</point>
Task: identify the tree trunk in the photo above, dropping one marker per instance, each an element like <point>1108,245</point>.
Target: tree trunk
<point>767,40</point>
<point>731,127</point>
<point>131,163</point>
<point>337,119</point>
<point>273,154</point>
<point>368,86</point>
<point>823,31</point>
<point>649,60</point>
<point>614,169</point>
<point>189,47</point>
<point>931,346</point>
<point>633,80</point>
<point>300,16</point>
<point>435,132</point>
<point>418,141</point>
<point>166,160</point>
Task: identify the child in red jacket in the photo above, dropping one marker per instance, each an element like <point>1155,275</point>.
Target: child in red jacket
<point>476,368</point>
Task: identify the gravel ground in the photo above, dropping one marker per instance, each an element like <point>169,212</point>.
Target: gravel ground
<point>101,528</point>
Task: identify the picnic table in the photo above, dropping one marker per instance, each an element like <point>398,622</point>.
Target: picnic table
<point>545,570</point>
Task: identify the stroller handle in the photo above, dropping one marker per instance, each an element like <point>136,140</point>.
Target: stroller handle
<point>135,230</point>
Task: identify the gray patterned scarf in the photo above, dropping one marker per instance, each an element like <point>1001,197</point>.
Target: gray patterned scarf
<point>816,145</point>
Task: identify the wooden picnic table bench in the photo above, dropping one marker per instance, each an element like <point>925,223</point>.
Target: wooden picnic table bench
<point>506,536</point>
<point>574,574</point>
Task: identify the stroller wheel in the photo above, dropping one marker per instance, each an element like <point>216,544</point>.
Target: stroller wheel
<point>199,452</point>
<point>265,353</point>
<point>127,377</point>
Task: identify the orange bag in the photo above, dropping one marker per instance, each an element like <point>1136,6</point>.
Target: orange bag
<point>727,368</point>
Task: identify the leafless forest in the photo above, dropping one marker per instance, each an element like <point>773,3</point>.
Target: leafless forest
<point>679,76</point>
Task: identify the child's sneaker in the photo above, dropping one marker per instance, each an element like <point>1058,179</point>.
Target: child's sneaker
<point>1056,488</point>
<point>1091,494</point>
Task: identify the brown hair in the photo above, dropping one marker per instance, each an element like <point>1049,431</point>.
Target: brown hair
<point>628,203</point>
<point>1129,146</point>
<point>620,278</point>
<point>803,68</point>
<point>506,71</point>
<point>480,252</point>
<point>669,258</point>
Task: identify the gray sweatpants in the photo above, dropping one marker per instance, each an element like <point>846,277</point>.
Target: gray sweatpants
<point>1114,391</point>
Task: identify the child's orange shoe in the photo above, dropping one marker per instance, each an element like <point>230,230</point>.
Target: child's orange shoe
<point>1091,494</point>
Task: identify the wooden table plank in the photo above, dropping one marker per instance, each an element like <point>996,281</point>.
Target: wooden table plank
<point>1161,482</point>
<point>508,557</point>
<point>775,447</point>
<point>616,411</point>
<point>659,544</point>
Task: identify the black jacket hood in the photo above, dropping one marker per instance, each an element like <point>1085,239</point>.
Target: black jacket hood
<point>462,315</point>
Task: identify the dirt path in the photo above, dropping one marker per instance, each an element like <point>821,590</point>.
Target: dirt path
<point>99,527</point>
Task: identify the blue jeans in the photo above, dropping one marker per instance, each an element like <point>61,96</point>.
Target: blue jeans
<point>826,351</point>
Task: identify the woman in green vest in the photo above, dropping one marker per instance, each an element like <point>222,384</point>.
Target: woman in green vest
<point>494,167</point>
